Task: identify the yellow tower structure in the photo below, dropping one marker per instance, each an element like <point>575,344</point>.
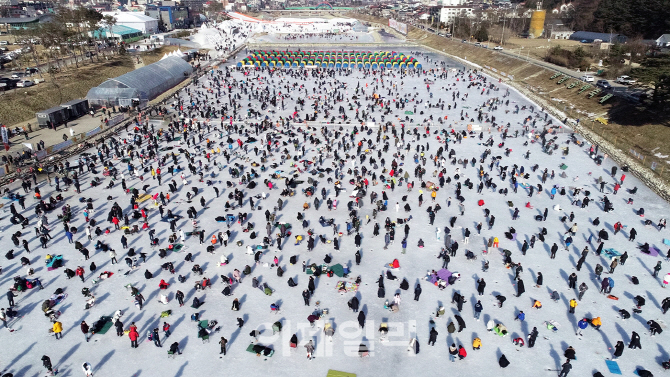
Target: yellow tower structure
<point>537,21</point>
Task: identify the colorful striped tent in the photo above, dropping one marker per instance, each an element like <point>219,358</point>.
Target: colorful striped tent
<point>330,59</point>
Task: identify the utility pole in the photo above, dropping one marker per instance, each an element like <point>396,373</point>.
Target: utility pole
<point>502,36</point>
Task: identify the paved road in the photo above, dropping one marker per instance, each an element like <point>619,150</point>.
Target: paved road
<point>617,89</point>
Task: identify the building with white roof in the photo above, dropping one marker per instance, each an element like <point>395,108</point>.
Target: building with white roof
<point>135,20</point>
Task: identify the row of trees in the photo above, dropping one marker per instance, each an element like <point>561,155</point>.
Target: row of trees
<point>67,36</point>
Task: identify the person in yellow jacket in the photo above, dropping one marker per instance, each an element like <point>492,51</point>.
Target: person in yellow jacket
<point>495,242</point>
<point>573,305</point>
<point>433,195</point>
<point>596,322</point>
<point>58,329</point>
<point>476,344</point>
<point>298,238</point>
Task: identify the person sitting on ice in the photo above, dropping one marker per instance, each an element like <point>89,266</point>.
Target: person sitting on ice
<point>163,284</point>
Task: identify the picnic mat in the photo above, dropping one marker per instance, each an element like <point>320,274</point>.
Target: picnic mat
<point>442,274</point>
<point>613,367</point>
<point>143,198</point>
<point>337,373</point>
<point>349,286</point>
<point>258,349</point>
<point>611,253</point>
<point>108,325</point>
<point>653,251</point>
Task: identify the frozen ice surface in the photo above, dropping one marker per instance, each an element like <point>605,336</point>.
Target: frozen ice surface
<point>112,356</point>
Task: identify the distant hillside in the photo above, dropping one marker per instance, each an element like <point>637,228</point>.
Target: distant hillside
<point>634,18</point>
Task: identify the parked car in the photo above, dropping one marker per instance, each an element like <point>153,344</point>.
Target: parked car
<point>626,80</point>
<point>478,44</point>
<point>604,84</point>
<point>498,48</point>
<point>24,84</point>
<point>464,41</point>
<point>30,71</point>
<point>587,78</point>
<point>18,75</point>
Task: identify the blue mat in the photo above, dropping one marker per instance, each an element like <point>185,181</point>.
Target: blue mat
<point>613,367</point>
<point>611,253</point>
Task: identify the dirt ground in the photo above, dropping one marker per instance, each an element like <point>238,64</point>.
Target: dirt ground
<point>537,48</point>
<point>21,104</point>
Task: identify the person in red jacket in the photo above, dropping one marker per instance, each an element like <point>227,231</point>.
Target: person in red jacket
<point>80,272</point>
<point>133,335</point>
<point>461,353</point>
<point>163,284</point>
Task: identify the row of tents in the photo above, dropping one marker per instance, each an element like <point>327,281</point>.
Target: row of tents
<point>288,59</point>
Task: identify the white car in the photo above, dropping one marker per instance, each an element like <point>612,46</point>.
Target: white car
<point>587,78</point>
<point>498,48</point>
<point>626,80</point>
<point>24,84</point>
<point>18,75</point>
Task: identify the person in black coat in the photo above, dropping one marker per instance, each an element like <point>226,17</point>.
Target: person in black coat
<point>404,285</point>
<point>503,362</point>
<point>46,362</point>
<point>634,341</point>
<point>532,337</point>
<point>459,303</point>
<point>618,349</point>
<point>654,327</point>
<point>358,257</point>
<point>381,292</point>
<point>306,295</point>
<point>461,322</point>
<point>353,304</point>
<point>433,337</point>
<point>361,319</point>
<point>539,280</point>
<point>520,288</point>
<point>380,281</point>
<point>565,369</point>
<point>481,284</point>
<point>311,285</point>
<point>417,292</point>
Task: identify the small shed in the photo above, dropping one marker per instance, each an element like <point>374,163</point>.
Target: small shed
<point>53,116</point>
<point>76,108</point>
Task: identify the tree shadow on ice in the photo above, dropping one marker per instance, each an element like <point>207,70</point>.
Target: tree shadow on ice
<point>180,372</point>
<point>104,360</point>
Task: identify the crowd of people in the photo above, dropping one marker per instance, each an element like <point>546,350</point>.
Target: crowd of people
<point>435,175</point>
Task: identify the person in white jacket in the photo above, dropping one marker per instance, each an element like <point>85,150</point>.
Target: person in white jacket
<point>88,371</point>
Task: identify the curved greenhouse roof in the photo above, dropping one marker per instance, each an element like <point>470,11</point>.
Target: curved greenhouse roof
<point>143,84</point>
